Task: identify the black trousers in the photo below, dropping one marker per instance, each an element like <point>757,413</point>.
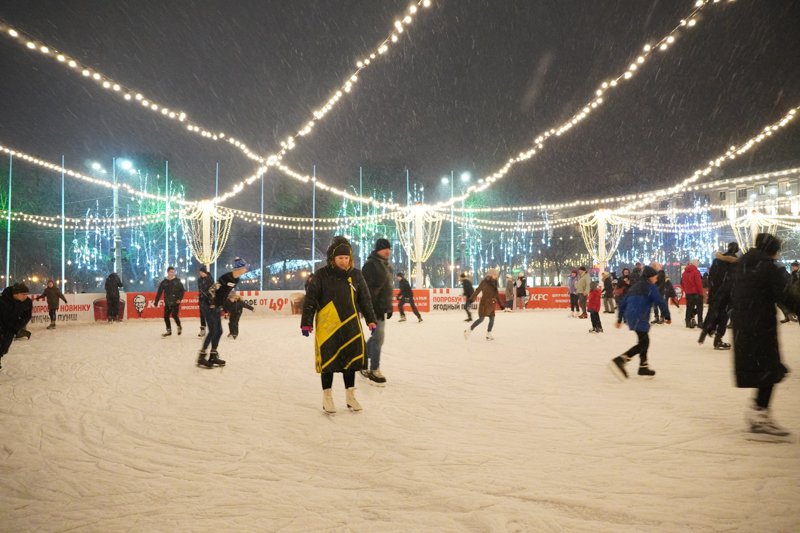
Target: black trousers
<point>595,316</point>
<point>172,311</point>
<point>717,318</point>
<point>348,375</point>
<point>233,324</point>
<point>573,302</point>
<point>694,306</point>
<point>643,338</point>
<point>113,307</point>
<point>468,310</point>
<point>52,313</point>
<point>401,303</point>
<point>763,396</point>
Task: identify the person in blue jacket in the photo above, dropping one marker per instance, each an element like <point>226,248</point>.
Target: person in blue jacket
<point>635,309</point>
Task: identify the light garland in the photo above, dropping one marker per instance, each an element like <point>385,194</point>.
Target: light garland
<point>55,221</point>
<point>401,24</point>
<point>648,50</point>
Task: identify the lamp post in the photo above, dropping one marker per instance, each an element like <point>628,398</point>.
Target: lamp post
<point>127,166</point>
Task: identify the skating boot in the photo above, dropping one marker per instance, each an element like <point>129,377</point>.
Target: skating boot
<point>419,319</point>
<point>720,345</point>
<point>364,373</point>
<point>645,371</point>
<point>702,337</point>
<point>180,330</point>
<point>202,332</point>
<point>327,402</point>
<point>215,360</point>
<point>23,334</point>
<point>377,376</point>
<point>402,319</point>
<point>468,319</point>
<point>52,325</point>
<point>167,333</point>
<point>230,335</point>
<point>466,333</point>
<point>489,336</point>
<point>234,337</point>
<point>593,330</point>
<point>762,427</point>
<point>201,360</point>
<point>599,330</point>
<point>617,367</point>
<point>352,403</point>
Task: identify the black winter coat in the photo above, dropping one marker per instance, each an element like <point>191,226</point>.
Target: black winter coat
<point>113,285</point>
<point>203,284</point>
<point>13,314</point>
<point>405,289</point>
<point>336,297</point>
<point>172,289</point>
<point>759,284</point>
<point>379,277</point>
<point>234,309</point>
<point>720,278</point>
<point>222,289</point>
<point>467,286</point>
<point>52,295</point>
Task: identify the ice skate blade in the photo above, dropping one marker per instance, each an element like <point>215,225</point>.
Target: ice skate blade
<point>645,377</point>
<point>766,437</point>
<point>329,413</point>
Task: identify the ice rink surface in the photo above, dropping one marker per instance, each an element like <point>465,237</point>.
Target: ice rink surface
<point>111,428</point>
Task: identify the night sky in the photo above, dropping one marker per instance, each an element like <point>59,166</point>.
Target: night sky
<point>473,83</point>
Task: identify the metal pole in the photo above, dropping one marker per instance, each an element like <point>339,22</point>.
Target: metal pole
<point>63,257</point>
<point>452,236</point>
<point>408,203</point>
<point>117,237</point>
<point>216,223</point>
<point>313,217</point>
<point>360,214</point>
<point>166,220</point>
<point>8,221</point>
<point>261,280</point>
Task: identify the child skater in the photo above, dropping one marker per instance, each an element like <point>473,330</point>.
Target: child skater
<point>593,305</point>
<point>234,307</point>
<point>635,309</point>
<point>52,294</point>
<point>490,297</point>
<point>334,299</point>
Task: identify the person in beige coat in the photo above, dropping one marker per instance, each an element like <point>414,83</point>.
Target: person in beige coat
<point>583,286</point>
<point>490,297</point>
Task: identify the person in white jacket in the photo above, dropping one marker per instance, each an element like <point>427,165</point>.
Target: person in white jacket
<point>582,287</point>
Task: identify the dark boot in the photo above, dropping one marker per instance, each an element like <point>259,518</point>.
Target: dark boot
<point>702,337</point>
<point>201,360</point>
<point>215,360</point>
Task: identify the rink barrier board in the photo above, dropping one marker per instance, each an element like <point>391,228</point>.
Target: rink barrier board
<point>92,307</point>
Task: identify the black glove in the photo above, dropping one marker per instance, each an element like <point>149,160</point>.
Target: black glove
<point>388,315</point>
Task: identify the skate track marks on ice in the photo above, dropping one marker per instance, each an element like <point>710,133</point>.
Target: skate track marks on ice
<point>111,428</point>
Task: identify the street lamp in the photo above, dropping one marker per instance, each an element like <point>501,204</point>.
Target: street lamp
<point>450,180</point>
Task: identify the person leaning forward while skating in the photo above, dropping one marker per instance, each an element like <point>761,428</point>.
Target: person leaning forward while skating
<point>635,309</point>
<point>406,296</point>
<point>333,302</point>
<point>172,289</point>
<point>15,311</point>
<point>52,294</point>
<point>216,295</point>
<point>378,274</point>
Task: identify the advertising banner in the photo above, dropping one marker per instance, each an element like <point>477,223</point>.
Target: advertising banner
<point>80,308</point>
<point>421,300</point>
<point>140,304</point>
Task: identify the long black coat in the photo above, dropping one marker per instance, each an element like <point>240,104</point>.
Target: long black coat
<point>13,317</point>
<point>378,274</point>
<point>336,297</point>
<point>112,286</point>
<point>759,284</point>
<point>720,279</point>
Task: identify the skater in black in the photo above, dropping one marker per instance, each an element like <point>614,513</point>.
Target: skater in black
<point>759,285</point>
<point>334,301</point>
<point>406,296</point>
<point>173,291</point>
<point>635,309</point>
<point>216,295</point>
<point>204,282</point>
<point>52,294</point>
<point>234,306</point>
<point>466,284</point>
<point>377,273</point>
<point>15,311</point>
<point>720,286</point>
<point>112,286</point>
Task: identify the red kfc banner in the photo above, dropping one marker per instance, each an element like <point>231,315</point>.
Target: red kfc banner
<point>140,305</point>
<point>421,300</point>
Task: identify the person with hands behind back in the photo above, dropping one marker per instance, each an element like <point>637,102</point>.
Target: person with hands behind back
<point>334,299</point>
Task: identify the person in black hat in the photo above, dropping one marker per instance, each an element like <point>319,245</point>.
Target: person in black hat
<point>16,310</point>
<point>112,286</point>
<point>760,284</point>
<point>216,294</point>
<point>469,290</point>
<point>720,284</point>
<point>204,282</point>
<point>635,309</point>
<point>377,273</point>
<point>172,289</point>
<point>406,296</point>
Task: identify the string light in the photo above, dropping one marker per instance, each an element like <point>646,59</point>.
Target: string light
<point>648,50</point>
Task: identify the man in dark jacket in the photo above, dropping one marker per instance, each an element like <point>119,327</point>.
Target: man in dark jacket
<point>469,290</point>
<point>720,285</point>
<point>378,274</point>
<point>52,294</point>
<point>635,309</point>
<point>204,282</point>
<point>15,311</point>
<point>172,289</point>
<point>216,296</point>
<point>406,296</point>
<point>112,286</point>
<point>760,284</point>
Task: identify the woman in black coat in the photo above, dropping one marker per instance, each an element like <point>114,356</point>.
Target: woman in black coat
<point>759,285</point>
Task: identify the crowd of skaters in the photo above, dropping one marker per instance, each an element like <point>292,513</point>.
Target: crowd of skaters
<point>742,288</point>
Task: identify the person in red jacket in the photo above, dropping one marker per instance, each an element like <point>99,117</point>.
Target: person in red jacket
<point>692,285</point>
<point>593,305</point>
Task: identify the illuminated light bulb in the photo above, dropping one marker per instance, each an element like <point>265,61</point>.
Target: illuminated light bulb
<point>139,96</point>
<point>670,39</point>
<point>85,73</point>
<point>613,83</point>
<point>61,58</point>
<point>632,67</point>
<point>394,38</point>
<point>426,3</point>
<point>412,9</point>
<point>407,19</point>
<point>145,103</point>
<point>72,63</point>
<point>31,45</point>
<point>13,33</point>
<point>127,96</point>
<point>640,60</point>
<point>96,76</point>
<point>692,22</point>
<point>663,46</point>
<point>106,85</point>
<point>44,50</point>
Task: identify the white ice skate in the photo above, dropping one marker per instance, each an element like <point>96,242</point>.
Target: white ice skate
<point>763,428</point>
<point>352,403</point>
<point>327,402</point>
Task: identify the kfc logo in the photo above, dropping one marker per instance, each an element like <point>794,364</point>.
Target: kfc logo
<point>139,303</point>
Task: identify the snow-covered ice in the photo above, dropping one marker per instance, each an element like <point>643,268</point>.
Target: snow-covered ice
<point>111,428</point>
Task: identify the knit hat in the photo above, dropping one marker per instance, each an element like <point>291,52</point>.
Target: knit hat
<point>239,263</point>
<point>695,262</point>
<point>382,244</point>
<point>733,247</point>
<point>767,243</point>
<point>339,246</point>
<point>19,288</point>
<point>795,264</point>
<point>649,272</point>
<point>203,269</point>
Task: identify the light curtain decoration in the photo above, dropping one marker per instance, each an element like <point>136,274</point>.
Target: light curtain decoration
<point>206,228</point>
